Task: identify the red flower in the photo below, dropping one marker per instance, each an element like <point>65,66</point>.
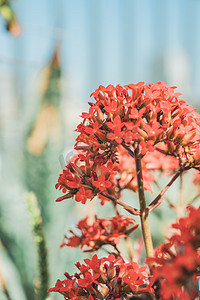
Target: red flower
<point>116,126</point>
<point>133,280</point>
<point>102,184</point>
<point>110,276</point>
<point>102,232</point>
<point>88,279</point>
<point>92,128</point>
<point>178,261</point>
<point>73,241</point>
<point>82,195</point>
<point>147,147</point>
<point>151,125</point>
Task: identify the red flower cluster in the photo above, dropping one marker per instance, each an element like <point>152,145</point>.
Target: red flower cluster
<point>178,261</point>
<point>101,232</point>
<point>152,161</point>
<point>104,278</point>
<point>85,179</point>
<point>129,133</point>
<point>151,115</point>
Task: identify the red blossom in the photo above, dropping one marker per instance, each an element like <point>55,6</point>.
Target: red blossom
<point>101,183</point>
<point>85,179</point>
<point>82,195</point>
<point>116,127</point>
<point>178,260</point>
<point>104,278</point>
<point>102,232</point>
<point>151,123</point>
<point>93,128</point>
<point>149,115</point>
<point>88,280</point>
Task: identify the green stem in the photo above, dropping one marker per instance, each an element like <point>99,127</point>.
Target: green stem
<point>143,212</point>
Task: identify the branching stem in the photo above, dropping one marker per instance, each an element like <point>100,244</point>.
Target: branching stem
<point>131,210</point>
<point>193,199</point>
<point>158,200</point>
<point>128,149</point>
<point>168,201</point>
<point>143,212</point>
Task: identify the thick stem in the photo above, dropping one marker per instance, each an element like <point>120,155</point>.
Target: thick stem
<point>143,212</point>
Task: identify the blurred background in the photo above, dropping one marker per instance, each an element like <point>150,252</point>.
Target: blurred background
<point>53,55</point>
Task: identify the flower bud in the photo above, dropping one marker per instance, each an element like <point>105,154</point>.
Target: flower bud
<point>100,116</point>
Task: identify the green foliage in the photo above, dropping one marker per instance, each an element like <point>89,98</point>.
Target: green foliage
<point>42,283</point>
